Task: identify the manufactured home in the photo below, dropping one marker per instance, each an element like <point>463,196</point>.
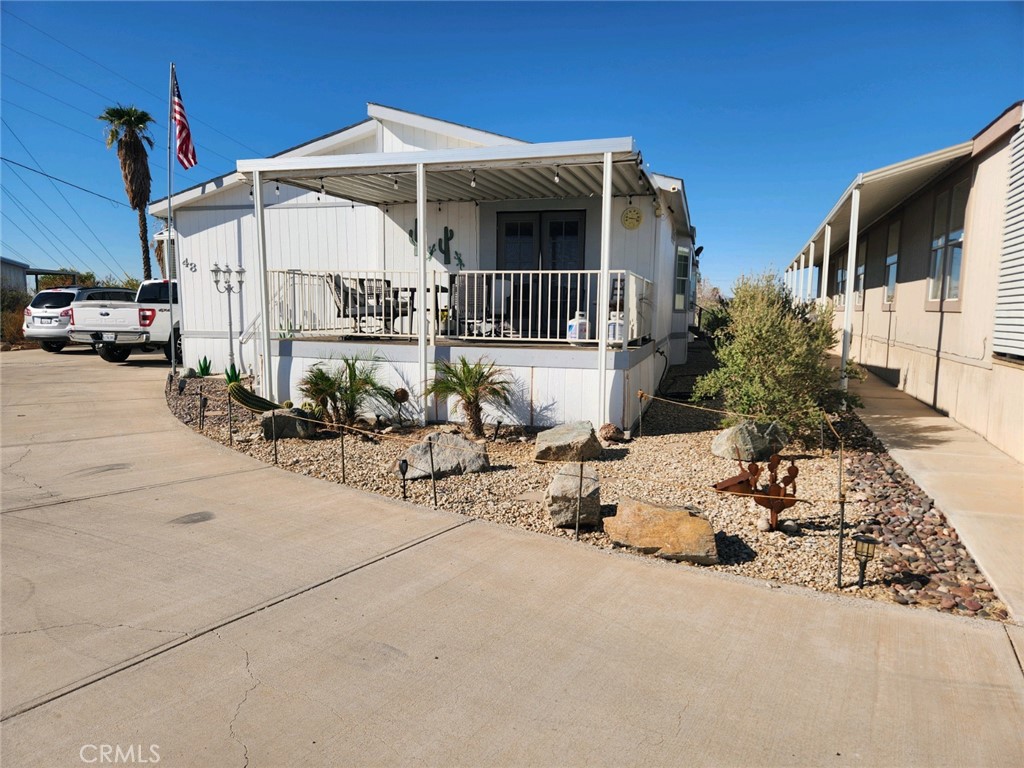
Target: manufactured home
<point>924,263</point>
<point>412,240</point>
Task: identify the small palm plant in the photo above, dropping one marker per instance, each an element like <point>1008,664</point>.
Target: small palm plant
<point>339,395</point>
<point>474,384</point>
<point>320,387</point>
<point>359,387</point>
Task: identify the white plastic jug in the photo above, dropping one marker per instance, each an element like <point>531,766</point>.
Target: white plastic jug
<point>615,326</point>
<point>579,328</point>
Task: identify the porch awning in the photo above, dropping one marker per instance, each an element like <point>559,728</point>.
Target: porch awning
<point>881,191</point>
<point>507,172</point>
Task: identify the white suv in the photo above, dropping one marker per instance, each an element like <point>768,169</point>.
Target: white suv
<point>48,314</point>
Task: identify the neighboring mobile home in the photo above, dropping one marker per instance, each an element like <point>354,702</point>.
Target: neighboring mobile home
<point>571,264</point>
<point>924,263</point>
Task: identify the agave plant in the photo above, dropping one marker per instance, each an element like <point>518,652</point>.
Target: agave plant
<point>232,374</point>
<point>203,368</point>
<point>474,384</point>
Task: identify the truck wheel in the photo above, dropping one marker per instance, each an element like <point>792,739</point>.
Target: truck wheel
<point>177,347</point>
<point>114,354</point>
<point>53,346</point>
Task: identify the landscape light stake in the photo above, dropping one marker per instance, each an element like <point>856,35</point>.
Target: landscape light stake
<point>403,467</point>
<point>273,430</point>
<point>821,434</point>
<point>433,481</point>
<point>231,425</point>
<point>170,378</point>
<point>579,503</point>
<point>640,401</point>
<point>864,549</point>
<point>203,402</point>
<point>344,479</point>
<point>842,518</point>
<point>199,400</point>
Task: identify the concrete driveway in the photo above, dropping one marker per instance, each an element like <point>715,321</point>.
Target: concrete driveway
<point>165,597</point>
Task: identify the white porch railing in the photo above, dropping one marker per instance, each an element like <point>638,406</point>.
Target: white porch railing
<point>351,303</point>
<point>532,306</point>
<point>546,305</point>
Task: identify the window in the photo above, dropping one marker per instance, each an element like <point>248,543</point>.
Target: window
<point>681,303</point>
<point>840,297</point>
<point>892,257</point>
<point>947,243</point>
<point>858,280</point>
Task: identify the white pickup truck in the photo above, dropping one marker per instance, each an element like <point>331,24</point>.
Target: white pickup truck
<point>115,328</point>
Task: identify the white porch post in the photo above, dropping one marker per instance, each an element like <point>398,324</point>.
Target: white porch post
<point>421,257</point>
<point>802,278</point>
<point>261,263</point>
<point>808,294</point>
<point>824,262</point>
<point>604,289</point>
<point>851,268</point>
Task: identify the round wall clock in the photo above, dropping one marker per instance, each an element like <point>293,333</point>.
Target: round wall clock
<point>631,218</point>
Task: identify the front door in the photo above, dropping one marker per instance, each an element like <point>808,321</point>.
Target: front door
<point>540,305</point>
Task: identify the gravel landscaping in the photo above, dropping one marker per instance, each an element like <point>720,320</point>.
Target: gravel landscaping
<point>921,561</point>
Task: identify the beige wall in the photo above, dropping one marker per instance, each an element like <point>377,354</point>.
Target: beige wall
<point>944,358</point>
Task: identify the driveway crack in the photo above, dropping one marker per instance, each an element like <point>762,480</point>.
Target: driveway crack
<point>256,682</point>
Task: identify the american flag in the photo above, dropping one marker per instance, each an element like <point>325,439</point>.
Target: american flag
<point>186,151</point>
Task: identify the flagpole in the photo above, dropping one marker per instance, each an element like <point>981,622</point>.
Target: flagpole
<point>169,248</point>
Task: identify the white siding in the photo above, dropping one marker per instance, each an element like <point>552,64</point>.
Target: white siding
<point>1008,333</point>
<point>403,138</point>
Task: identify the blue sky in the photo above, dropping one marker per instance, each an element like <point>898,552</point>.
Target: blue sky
<point>766,110</point>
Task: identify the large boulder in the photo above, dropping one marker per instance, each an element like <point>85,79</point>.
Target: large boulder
<point>574,441</point>
<point>288,422</point>
<point>674,533</point>
<point>562,497</point>
<point>453,455</point>
<point>749,441</point>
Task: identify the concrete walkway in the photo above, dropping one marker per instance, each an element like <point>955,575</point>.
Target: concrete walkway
<point>978,487</point>
<point>165,595</point>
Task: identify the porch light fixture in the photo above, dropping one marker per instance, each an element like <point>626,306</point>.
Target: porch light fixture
<point>556,175</point>
<point>228,288</point>
<point>864,550</point>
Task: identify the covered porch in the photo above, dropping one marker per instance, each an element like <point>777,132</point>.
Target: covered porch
<point>524,280</point>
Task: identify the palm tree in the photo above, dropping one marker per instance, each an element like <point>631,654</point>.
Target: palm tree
<point>129,127</point>
<point>474,384</point>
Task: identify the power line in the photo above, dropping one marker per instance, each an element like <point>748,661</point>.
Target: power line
<point>68,202</point>
<point>48,95</point>
<point>44,230</point>
<point>28,236</point>
<point>62,181</point>
<point>140,87</point>
<point>60,219</point>
<point>108,99</point>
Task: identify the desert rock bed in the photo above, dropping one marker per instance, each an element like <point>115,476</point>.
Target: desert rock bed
<point>920,562</point>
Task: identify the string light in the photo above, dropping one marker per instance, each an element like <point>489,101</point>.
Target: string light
<point>472,181</point>
<point>250,192</point>
<point>556,175</point>
<point>277,189</point>
<point>395,179</point>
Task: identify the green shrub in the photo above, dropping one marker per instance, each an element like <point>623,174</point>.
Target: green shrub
<point>774,358</point>
<point>474,384</point>
<point>338,395</point>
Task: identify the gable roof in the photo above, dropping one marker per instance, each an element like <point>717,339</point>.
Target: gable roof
<point>350,133</point>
